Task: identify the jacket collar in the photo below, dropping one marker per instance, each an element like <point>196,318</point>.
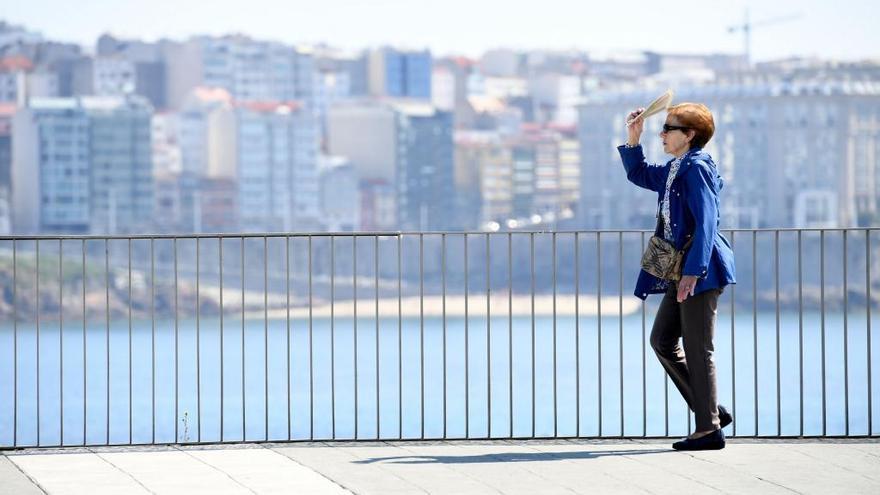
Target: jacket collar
<point>687,160</point>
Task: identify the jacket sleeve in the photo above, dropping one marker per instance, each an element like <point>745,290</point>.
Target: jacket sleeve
<point>702,201</point>
<point>638,171</point>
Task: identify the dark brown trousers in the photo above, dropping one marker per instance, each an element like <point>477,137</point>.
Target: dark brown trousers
<point>692,369</point>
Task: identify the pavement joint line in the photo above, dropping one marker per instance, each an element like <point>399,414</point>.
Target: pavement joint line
<point>539,475</point>
<point>799,452</point>
<point>331,480</point>
<point>379,465</point>
<point>466,475</point>
<point>232,478</point>
<point>126,473</point>
<point>606,473</point>
<point>26,475</point>
<point>866,452</point>
<point>343,450</point>
<point>694,480</point>
<point>779,485</point>
<point>844,468</point>
<point>526,469</point>
<point>733,468</point>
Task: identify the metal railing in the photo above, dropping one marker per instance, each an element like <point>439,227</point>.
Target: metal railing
<point>120,340</point>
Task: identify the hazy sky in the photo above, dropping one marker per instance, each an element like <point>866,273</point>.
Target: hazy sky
<point>844,29</point>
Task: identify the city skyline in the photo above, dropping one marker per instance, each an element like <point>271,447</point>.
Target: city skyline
<point>240,132</point>
<point>468,29</point>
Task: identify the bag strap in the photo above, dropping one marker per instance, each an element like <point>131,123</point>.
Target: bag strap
<point>688,243</point>
<point>659,224</point>
<point>660,228</point>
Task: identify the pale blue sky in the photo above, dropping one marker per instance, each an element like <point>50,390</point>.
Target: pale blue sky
<point>842,29</point>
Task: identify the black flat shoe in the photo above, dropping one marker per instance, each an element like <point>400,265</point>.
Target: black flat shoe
<point>712,441</point>
<point>724,416</point>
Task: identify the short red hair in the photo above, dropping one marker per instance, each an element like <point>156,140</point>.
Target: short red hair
<point>697,117</point>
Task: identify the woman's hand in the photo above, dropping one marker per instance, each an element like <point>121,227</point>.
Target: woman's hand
<point>686,287</point>
<point>634,127</point>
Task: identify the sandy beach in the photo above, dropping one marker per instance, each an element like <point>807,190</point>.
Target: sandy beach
<point>454,306</point>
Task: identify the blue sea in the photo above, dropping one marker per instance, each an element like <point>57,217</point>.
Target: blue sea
<point>299,379</point>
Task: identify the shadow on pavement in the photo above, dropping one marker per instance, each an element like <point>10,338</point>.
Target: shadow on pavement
<point>508,457</point>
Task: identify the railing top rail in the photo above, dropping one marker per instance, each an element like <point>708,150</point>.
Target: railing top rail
<point>33,237</point>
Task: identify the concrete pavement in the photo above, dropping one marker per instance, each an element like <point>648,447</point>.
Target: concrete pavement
<point>460,467</point>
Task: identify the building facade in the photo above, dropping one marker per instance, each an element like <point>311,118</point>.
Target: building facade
<point>425,168</point>
<point>249,69</point>
<point>270,151</point>
<point>51,167</point>
<point>82,165</point>
<point>404,144</point>
<point>121,164</point>
<point>400,73</point>
<point>793,154</point>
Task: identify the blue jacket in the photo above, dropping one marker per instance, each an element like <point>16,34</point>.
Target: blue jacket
<point>693,211</point>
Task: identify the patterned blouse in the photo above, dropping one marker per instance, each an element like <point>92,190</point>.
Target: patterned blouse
<point>664,205</point>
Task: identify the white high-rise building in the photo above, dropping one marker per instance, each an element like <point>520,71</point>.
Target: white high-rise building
<point>121,191</point>
<point>331,87</point>
<point>192,127</point>
<point>14,35</point>
<point>7,112</point>
<point>166,144</point>
<point>443,89</point>
<point>270,150</point>
<point>13,79</point>
<point>113,76</point>
<point>249,69</point>
<point>365,133</point>
<point>501,63</point>
<point>82,165</point>
<point>51,167</point>
<point>42,83</point>
<point>340,197</point>
<point>557,97</point>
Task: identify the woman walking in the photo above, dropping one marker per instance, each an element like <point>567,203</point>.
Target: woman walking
<point>688,217</point>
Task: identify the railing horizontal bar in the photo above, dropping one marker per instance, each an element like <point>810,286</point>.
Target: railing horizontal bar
<point>451,441</point>
<point>28,237</point>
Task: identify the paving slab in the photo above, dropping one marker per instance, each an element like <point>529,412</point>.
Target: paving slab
<point>639,466</point>
<point>338,463</point>
<point>13,479</point>
<point>76,473</point>
<point>267,471</point>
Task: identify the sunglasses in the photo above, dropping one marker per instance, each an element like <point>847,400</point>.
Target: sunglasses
<point>669,128</point>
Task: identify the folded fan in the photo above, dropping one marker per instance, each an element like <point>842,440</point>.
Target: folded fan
<point>660,103</point>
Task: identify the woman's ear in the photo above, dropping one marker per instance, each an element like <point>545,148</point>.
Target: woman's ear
<point>691,134</point>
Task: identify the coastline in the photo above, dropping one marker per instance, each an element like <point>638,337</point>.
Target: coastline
<point>457,306</point>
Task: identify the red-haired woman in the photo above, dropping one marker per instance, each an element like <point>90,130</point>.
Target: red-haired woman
<point>688,187</point>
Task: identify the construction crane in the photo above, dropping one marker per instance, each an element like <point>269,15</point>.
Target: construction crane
<point>747,26</point>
